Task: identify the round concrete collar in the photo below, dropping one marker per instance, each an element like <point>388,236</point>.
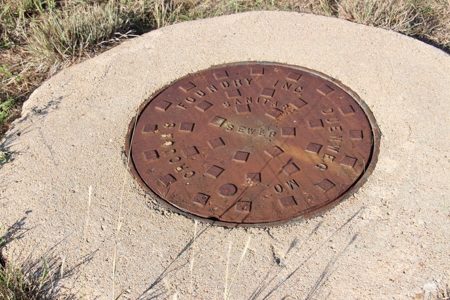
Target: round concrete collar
<point>389,239</point>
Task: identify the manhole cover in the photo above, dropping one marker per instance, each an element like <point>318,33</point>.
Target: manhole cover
<point>253,144</point>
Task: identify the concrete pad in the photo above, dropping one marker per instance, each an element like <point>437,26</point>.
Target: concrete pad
<point>390,240</point>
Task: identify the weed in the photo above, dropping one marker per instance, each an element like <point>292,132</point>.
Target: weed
<point>2,238</point>
<point>5,108</point>
<point>15,283</point>
<point>4,157</point>
<point>22,283</point>
<point>31,279</point>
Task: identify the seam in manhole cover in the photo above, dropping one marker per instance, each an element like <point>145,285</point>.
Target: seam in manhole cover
<point>253,144</point>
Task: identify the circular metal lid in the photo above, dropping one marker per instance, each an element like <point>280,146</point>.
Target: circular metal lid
<point>253,144</point>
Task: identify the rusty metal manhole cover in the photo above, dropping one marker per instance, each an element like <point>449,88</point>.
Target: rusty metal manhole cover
<point>253,144</point>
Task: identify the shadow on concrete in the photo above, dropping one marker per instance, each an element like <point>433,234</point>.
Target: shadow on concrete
<point>31,278</point>
<point>13,133</point>
<point>266,282</point>
<point>15,232</point>
<point>327,271</point>
<point>156,290</point>
<point>427,41</point>
<point>159,288</point>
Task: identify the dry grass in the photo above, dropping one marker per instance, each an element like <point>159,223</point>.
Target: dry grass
<point>65,35</point>
<point>15,283</point>
<point>229,286</point>
<point>423,19</point>
<point>30,279</point>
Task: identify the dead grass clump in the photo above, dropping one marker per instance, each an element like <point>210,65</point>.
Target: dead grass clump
<point>60,35</point>
<point>18,78</point>
<point>17,284</point>
<point>213,8</point>
<point>15,16</point>
<point>31,279</point>
<point>427,20</point>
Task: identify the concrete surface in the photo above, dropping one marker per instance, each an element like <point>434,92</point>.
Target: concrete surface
<point>389,241</point>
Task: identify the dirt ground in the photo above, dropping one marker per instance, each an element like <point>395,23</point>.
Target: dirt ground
<point>388,241</point>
